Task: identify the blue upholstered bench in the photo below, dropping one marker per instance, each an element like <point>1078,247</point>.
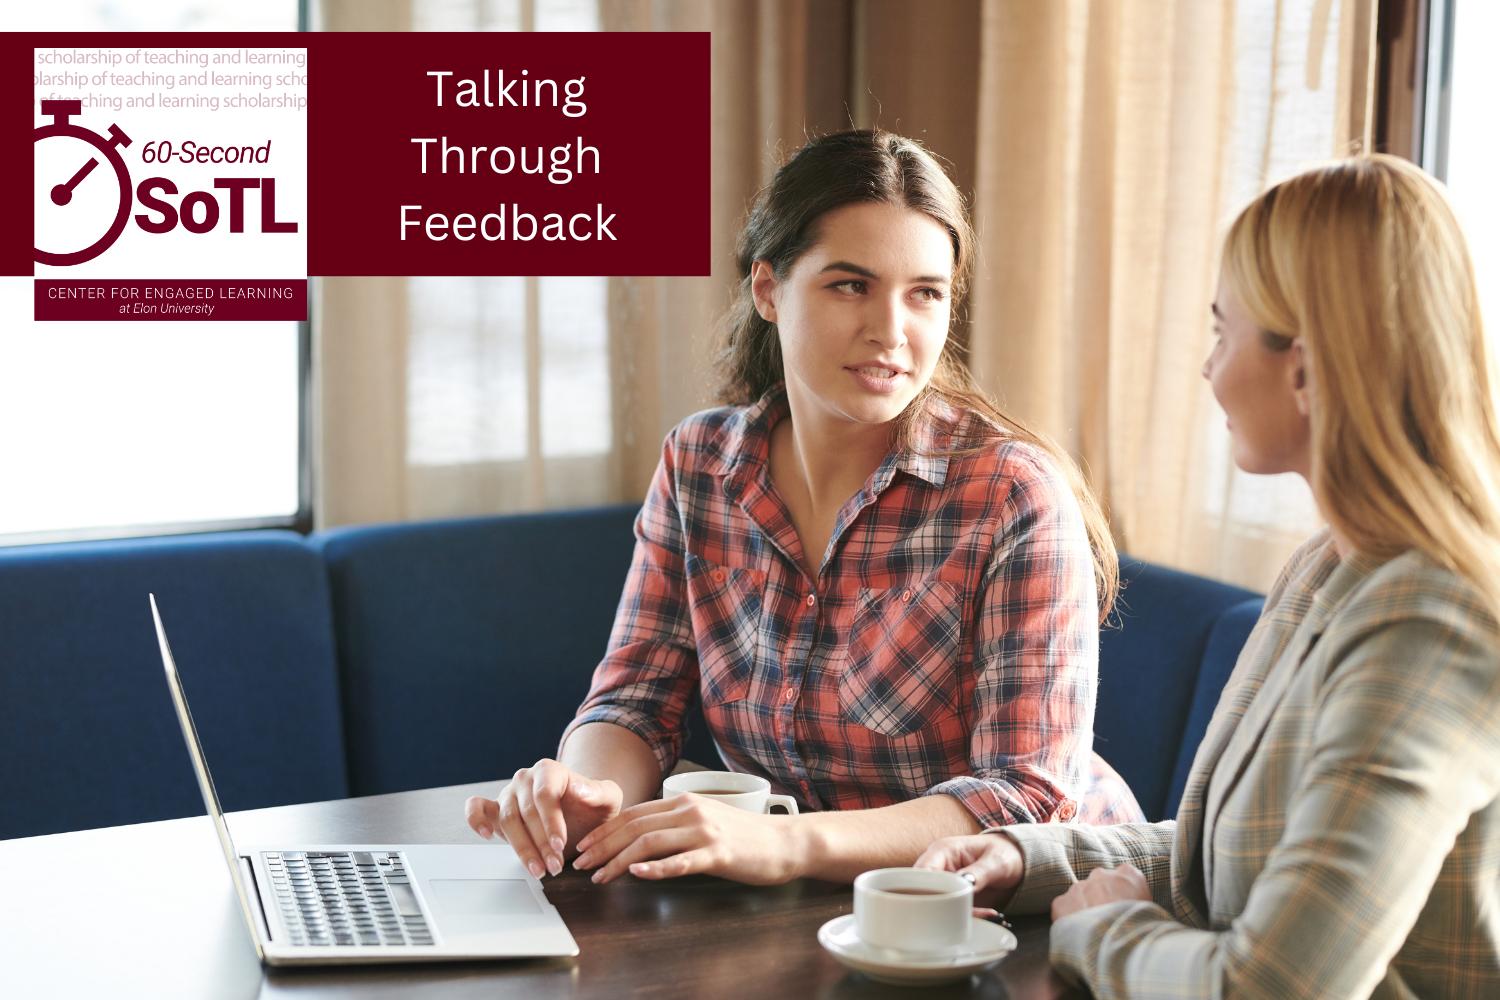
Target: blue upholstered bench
<point>466,646</point>
<point>1163,659</point>
<point>383,658</point>
<point>89,737</point>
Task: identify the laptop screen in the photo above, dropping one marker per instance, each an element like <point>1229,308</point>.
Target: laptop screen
<point>200,768</point>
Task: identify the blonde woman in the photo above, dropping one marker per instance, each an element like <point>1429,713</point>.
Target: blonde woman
<point>1340,832</point>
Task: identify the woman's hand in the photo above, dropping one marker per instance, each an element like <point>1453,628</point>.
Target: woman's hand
<point>1104,885</point>
<point>543,810</point>
<point>691,834</point>
<point>993,859</point>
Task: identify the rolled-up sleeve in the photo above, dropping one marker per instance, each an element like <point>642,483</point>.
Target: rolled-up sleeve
<point>649,674</point>
<point>1035,661</point>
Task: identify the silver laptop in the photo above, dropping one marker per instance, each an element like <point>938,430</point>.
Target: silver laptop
<point>324,904</point>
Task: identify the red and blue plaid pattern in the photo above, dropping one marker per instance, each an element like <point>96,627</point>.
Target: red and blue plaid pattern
<point>948,645</point>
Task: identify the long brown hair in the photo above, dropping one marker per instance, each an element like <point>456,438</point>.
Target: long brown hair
<point>871,165</point>
<point>1365,260</point>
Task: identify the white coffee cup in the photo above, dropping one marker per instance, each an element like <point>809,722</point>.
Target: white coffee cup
<point>743,791</point>
<point>913,913</point>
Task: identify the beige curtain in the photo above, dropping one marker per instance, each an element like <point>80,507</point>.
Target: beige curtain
<point>1115,139</point>
<point>359,355</point>
<point>779,68</point>
<point>1107,142</point>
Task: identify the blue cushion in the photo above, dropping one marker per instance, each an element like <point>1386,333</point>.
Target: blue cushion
<point>466,646</point>
<point>90,738</point>
<point>1148,672</point>
<point>1222,652</point>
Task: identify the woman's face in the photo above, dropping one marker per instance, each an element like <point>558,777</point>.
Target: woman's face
<point>1263,392</point>
<point>863,315</point>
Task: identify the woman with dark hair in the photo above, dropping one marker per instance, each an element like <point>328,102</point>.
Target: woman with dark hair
<point>885,591</point>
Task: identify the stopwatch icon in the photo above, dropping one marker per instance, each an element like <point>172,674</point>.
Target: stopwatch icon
<point>61,193</point>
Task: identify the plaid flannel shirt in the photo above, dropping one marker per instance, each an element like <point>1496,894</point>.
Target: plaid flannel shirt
<point>949,643</point>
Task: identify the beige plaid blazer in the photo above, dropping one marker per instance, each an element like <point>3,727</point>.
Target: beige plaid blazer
<point>1339,836</point>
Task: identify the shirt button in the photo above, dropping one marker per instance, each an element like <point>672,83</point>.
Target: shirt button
<point>789,694</point>
<point>718,576</point>
<point>811,600</point>
<point>1067,810</point>
<point>906,595</point>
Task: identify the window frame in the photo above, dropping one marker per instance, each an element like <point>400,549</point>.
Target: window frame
<point>300,521</point>
<point>1413,122</point>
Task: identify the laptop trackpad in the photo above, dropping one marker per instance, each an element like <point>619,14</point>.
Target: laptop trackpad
<point>484,897</point>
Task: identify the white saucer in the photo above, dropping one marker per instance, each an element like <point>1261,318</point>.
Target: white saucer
<point>988,944</point>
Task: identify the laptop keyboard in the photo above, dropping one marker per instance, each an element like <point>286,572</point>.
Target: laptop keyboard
<point>346,898</point>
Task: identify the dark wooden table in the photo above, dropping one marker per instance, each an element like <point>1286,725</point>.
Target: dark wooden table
<point>85,915</point>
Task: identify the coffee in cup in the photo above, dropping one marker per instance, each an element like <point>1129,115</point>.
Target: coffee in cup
<point>743,791</point>
<point>913,913</point>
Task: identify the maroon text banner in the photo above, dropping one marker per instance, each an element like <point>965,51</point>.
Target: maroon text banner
<point>520,153</point>
<point>577,153</point>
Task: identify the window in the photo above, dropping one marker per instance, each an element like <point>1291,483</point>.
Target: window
<point>1285,117</point>
<point>1436,84</point>
<point>1463,148</point>
<point>156,15</point>
<point>508,382</point>
<point>142,428</point>
<point>505,15</point>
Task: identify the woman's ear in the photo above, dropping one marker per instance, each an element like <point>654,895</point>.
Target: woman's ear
<point>1297,372</point>
<point>763,289</point>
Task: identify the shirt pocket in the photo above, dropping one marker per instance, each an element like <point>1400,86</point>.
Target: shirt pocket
<point>725,604</point>
<point>901,673</point>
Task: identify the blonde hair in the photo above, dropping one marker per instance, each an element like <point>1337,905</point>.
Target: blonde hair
<point>1365,260</point>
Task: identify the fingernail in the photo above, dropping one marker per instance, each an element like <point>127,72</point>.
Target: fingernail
<point>554,864</point>
<point>535,868</point>
<point>598,875</point>
<point>486,832</point>
<point>582,861</point>
<point>557,844</point>
<point>581,790</point>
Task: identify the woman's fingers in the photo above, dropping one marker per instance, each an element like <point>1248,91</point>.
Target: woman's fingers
<point>549,785</point>
<point>947,854</point>
<point>482,815</point>
<point>536,810</point>
<point>992,859</point>
<point>1103,885</point>
<point>998,866</point>
<point>1075,899</point>
<point>589,801</point>
<point>689,834</point>
<point>1110,885</point>
<point>526,806</point>
<point>608,832</point>
<point>650,846</point>
<point>694,862</point>
<point>1135,881</point>
<point>604,844</point>
<point>513,829</point>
